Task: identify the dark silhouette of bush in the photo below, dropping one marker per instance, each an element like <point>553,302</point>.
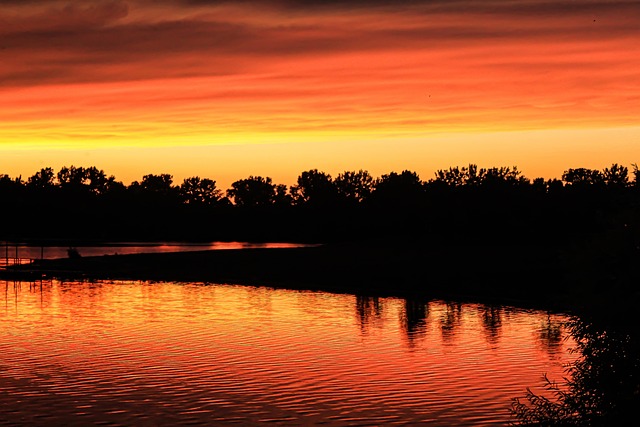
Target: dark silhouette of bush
<point>602,385</point>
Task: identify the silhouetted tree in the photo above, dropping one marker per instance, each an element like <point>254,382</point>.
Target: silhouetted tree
<point>581,177</point>
<point>554,186</point>
<point>502,177</point>
<point>539,185</point>
<point>72,177</point>
<point>616,176</point>
<point>155,191</point>
<point>453,177</point>
<point>43,179</point>
<point>550,186</point>
<point>114,186</point>
<point>354,186</point>
<point>157,183</point>
<point>197,191</point>
<point>401,189</point>
<point>314,188</point>
<point>10,188</point>
<point>282,197</point>
<point>474,177</point>
<point>471,176</point>
<point>253,191</point>
<point>97,180</point>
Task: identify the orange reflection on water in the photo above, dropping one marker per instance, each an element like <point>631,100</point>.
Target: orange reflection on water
<point>162,352</point>
<point>123,248</point>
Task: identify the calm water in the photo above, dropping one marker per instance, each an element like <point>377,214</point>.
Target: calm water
<point>165,354</point>
<point>125,248</point>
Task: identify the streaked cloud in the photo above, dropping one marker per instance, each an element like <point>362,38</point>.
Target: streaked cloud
<point>80,41</point>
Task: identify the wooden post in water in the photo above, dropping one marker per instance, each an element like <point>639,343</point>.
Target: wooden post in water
<point>6,252</point>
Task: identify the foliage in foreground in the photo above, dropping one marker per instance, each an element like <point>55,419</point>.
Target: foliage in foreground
<point>602,387</point>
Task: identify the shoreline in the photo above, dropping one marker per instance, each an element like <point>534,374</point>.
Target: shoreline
<point>489,274</point>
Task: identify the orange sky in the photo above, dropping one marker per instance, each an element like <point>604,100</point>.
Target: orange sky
<point>226,89</point>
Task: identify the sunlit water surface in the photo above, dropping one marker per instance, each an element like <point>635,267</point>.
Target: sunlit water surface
<point>176,354</point>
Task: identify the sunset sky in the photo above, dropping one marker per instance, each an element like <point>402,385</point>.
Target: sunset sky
<point>226,89</point>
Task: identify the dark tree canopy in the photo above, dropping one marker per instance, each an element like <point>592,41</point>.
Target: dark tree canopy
<point>253,191</point>
<point>157,183</point>
<point>45,178</point>
<point>405,188</point>
<point>354,186</point>
<point>472,176</point>
<point>616,176</point>
<point>197,191</point>
<point>315,188</point>
<point>581,177</point>
<point>488,203</point>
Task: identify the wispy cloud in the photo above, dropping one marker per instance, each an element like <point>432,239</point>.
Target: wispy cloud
<point>215,68</point>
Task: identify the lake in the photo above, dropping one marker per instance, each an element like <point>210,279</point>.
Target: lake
<point>26,252</point>
<point>137,353</point>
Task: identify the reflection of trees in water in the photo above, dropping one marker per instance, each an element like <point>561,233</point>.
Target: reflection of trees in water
<point>91,293</point>
<point>602,387</point>
<point>450,320</point>
<point>550,334</point>
<point>492,323</point>
<point>13,288</point>
<point>259,300</point>
<point>368,311</point>
<point>414,319</point>
<point>13,293</point>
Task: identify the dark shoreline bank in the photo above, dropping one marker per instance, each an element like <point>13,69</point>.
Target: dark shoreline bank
<point>527,277</point>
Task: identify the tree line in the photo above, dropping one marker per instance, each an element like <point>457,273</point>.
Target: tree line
<point>312,187</point>
<point>456,204</point>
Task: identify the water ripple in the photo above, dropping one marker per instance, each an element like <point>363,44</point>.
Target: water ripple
<point>188,354</point>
